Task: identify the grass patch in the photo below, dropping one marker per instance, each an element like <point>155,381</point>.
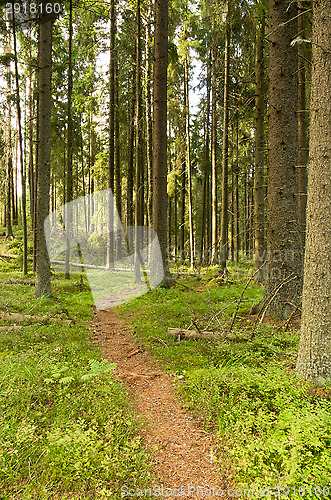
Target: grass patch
<point>275,428</point>
<point>66,427</point>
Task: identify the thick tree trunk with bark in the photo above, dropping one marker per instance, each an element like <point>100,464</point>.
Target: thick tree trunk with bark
<point>160,130</point>
<point>9,159</point>
<point>302,126</point>
<point>118,180</point>
<point>284,245</point>
<point>225,159</point>
<point>259,183</point>
<point>111,152</point>
<point>130,169</point>
<point>214,234</point>
<point>43,274</point>
<point>69,187</point>
<point>188,159</point>
<point>149,124</point>
<point>314,359</point>
<point>139,148</point>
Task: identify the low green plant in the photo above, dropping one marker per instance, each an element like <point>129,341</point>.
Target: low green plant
<point>67,429</point>
<point>271,425</point>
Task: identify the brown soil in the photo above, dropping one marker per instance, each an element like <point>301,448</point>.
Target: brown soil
<point>184,453</point>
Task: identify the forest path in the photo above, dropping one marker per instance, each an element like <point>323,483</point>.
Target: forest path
<point>183,451</point>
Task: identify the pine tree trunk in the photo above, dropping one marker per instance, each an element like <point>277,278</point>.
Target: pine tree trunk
<point>9,159</point>
<point>69,186</point>
<point>43,274</point>
<point>259,183</point>
<point>160,131</point>
<point>182,208</point>
<point>118,180</point>
<point>206,160</point>
<point>35,217</point>
<point>225,158</point>
<point>284,245</point>
<point>302,127</point>
<point>111,151</point>
<point>188,159</point>
<point>20,139</point>
<point>149,104</point>
<point>130,170</point>
<point>314,358</point>
<point>237,209</point>
<point>31,165</point>
<point>214,235</point>
<point>139,149</point>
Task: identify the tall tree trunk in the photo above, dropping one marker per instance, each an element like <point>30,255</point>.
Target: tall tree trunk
<point>20,138</point>
<point>130,170</point>
<point>149,124</point>
<point>14,173</point>
<point>214,234</point>
<point>139,148</point>
<point>118,180</point>
<point>237,209</point>
<point>111,153</point>
<point>225,159</point>
<point>9,158</point>
<point>160,130</point>
<point>259,183</point>
<point>284,245</point>
<point>314,358</point>
<point>188,159</point>
<point>43,274</point>
<point>302,126</point>
<point>182,207</point>
<point>69,190</point>
<point>205,201</point>
<point>31,165</point>
<point>35,208</point>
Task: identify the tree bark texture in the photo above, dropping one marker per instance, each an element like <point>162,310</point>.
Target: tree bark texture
<point>43,274</point>
<point>302,127</point>
<point>69,190</point>
<point>188,159</point>
<point>160,129</point>
<point>139,147</point>
<point>225,158</point>
<point>111,151</point>
<point>284,245</point>
<point>214,234</point>
<point>314,359</point>
<point>259,183</point>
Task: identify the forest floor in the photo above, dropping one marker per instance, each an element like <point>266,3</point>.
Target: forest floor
<point>185,455</point>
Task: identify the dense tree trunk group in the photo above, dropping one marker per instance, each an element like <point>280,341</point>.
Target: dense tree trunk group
<point>218,181</point>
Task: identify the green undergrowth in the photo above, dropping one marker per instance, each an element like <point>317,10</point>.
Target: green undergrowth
<point>66,427</point>
<point>275,429</point>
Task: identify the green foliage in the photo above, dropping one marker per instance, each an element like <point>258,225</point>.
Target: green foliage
<point>274,429</point>
<point>66,428</point>
<point>275,433</point>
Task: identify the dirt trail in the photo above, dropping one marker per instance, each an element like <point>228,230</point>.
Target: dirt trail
<point>184,451</point>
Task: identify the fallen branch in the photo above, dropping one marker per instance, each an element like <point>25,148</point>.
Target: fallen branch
<point>291,316</point>
<point>11,256</point>
<point>18,282</point>
<point>267,303</point>
<point>240,298</point>
<point>8,256</point>
<point>27,317</point>
<point>182,334</point>
<point>11,327</point>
